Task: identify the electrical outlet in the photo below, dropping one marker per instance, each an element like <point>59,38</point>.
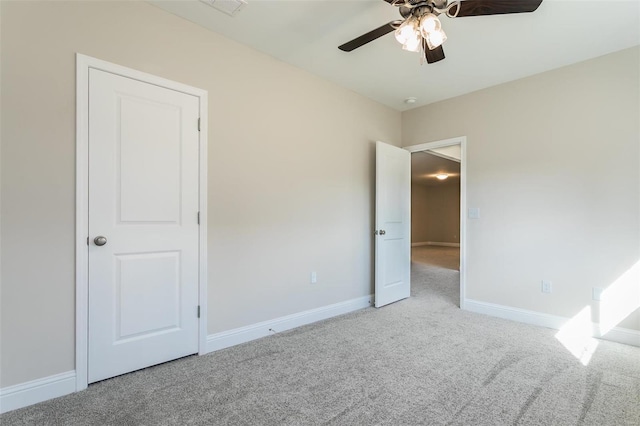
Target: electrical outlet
<point>314,277</point>
<point>546,286</point>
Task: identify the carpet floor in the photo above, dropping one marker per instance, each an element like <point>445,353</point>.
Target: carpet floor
<point>420,361</point>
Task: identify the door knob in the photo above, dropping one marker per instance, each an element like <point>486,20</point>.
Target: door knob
<point>383,232</point>
<point>100,240</point>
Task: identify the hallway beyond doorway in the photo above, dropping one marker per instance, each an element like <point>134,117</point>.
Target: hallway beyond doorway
<point>436,268</point>
<point>443,257</point>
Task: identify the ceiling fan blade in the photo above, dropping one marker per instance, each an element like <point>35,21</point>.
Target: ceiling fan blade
<point>434,55</point>
<point>368,37</point>
<point>496,7</point>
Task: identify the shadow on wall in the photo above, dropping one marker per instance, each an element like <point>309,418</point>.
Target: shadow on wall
<point>618,300</point>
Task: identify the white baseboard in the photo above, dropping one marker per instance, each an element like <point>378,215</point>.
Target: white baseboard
<point>236,336</point>
<point>616,334</point>
<point>28,393</point>
<point>435,243</point>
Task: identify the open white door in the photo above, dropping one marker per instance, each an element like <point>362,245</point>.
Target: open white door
<point>393,224</point>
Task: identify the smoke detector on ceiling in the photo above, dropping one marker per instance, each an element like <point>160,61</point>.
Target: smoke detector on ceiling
<point>230,7</point>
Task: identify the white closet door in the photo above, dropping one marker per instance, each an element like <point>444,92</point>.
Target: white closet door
<point>143,205</point>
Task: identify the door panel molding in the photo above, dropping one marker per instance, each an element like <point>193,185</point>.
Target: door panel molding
<point>83,65</point>
<point>462,141</point>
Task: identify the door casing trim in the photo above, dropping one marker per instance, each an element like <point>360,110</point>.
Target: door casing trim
<point>83,64</point>
<point>462,141</point>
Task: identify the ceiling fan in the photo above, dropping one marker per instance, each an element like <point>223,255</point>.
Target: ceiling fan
<point>420,29</point>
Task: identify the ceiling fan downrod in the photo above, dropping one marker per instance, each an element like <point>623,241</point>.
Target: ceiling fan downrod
<point>436,7</point>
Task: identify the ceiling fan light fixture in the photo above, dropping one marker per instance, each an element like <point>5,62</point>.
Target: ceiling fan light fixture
<point>420,20</point>
<point>413,44</point>
<point>428,24</point>
<point>405,32</point>
<point>435,39</point>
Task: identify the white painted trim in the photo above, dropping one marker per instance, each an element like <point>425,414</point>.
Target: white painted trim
<point>617,334</point>
<point>83,64</point>
<point>82,219</point>
<point>435,243</point>
<point>462,141</point>
<point>245,334</point>
<point>203,242</point>
<point>420,244</point>
<point>29,393</point>
<point>622,335</point>
<point>446,157</point>
<point>436,144</point>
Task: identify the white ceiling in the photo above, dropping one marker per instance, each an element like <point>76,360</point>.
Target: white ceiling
<point>480,51</point>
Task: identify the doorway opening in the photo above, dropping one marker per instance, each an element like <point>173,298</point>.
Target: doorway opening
<point>438,192</point>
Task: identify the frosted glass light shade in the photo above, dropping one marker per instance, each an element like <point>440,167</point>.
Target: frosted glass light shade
<point>405,31</point>
<point>436,39</point>
<point>428,24</point>
<point>413,43</point>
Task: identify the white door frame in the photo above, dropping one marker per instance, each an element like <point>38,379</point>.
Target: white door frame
<point>462,141</point>
<point>83,64</point>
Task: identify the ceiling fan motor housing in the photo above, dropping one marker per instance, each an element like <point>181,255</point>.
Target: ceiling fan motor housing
<point>419,8</point>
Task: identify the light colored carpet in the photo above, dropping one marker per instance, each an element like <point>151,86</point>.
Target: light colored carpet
<point>421,361</point>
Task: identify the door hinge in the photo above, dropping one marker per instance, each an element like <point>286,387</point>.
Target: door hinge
<point>87,240</point>
<point>198,311</point>
<point>198,123</point>
<point>198,218</point>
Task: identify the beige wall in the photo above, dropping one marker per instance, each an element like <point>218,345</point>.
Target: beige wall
<point>435,212</point>
<point>553,166</point>
<point>290,172</point>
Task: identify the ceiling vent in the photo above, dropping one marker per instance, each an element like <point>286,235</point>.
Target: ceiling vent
<point>230,7</point>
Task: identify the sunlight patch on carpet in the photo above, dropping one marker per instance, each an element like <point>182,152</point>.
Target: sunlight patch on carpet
<point>577,336</point>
